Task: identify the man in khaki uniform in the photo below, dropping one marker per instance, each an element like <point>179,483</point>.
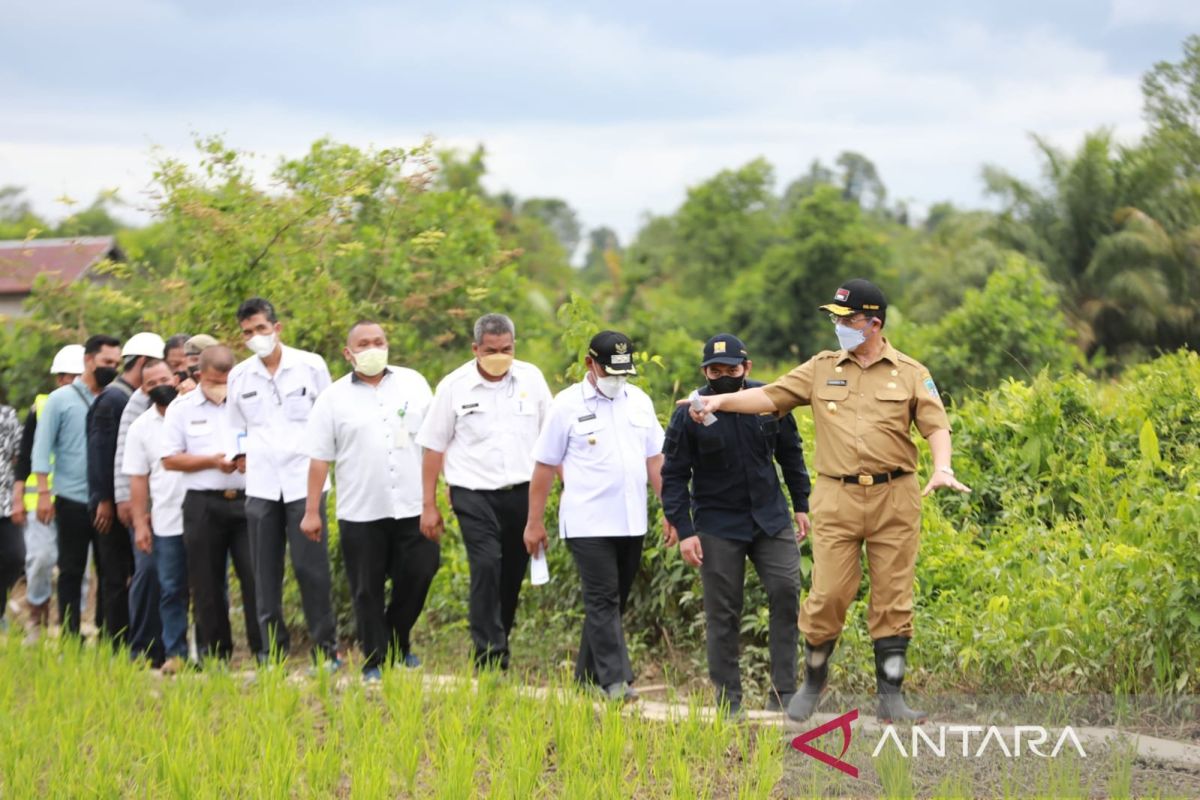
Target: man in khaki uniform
<point>865,398</point>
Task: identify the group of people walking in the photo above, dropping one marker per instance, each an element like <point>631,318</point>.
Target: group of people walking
<point>171,459</point>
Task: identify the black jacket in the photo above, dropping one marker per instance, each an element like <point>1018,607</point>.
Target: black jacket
<point>734,490</point>
<point>103,423</point>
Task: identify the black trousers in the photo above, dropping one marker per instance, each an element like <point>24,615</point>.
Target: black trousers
<point>12,558</point>
<point>493,532</point>
<point>607,567</point>
<point>214,529</point>
<point>374,552</point>
<point>275,527</point>
<point>776,559</point>
<point>75,535</point>
<point>114,562</point>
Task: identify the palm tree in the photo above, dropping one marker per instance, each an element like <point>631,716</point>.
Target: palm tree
<point>1128,279</point>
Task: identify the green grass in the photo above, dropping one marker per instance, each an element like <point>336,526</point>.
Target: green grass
<point>80,721</point>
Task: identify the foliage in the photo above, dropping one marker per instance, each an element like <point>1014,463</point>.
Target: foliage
<point>1010,328</point>
<point>827,242</point>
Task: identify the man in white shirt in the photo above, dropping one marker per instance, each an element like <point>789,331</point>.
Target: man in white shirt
<point>197,436</point>
<point>605,437</point>
<point>156,508</point>
<point>270,397</point>
<point>485,418</point>
<point>365,423</point>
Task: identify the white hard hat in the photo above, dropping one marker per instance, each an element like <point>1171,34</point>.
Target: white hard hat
<point>144,344</point>
<point>68,361</point>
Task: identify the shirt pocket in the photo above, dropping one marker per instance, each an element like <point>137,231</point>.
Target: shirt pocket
<point>201,436</point>
<point>711,450</point>
<point>471,423</point>
<point>835,394</point>
<point>590,439</point>
<point>297,406</point>
<point>768,432</point>
<point>251,405</point>
<point>892,405</point>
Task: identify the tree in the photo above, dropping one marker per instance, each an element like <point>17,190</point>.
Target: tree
<point>556,215</point>
<point>774,304</point>
<point>1012,328</point>
<point>1171,95</point>
<point>1114,293</point>
<point>604,247</point>
<point>725,225</point>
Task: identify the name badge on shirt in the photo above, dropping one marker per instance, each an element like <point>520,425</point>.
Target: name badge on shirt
<point>199,427</point>
<point>835,383</point>
<point>587,418</point>
<point>248,395</point>
<point>469,406</point>
<point>400,434</point>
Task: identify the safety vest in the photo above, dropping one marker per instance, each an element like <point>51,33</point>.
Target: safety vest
<point>31,487</point>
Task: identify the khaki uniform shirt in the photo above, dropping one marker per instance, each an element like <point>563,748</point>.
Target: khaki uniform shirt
<point>863,417</point>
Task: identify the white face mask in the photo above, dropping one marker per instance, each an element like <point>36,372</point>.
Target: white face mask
<point>263,344</point>
<point>371,362</point>
<point>850,338</point>
<point>611,385</point>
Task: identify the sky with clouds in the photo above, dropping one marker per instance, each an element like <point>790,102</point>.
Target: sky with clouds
<point>616,107</point>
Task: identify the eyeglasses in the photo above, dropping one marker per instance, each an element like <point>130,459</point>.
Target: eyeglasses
<point>836,320</point>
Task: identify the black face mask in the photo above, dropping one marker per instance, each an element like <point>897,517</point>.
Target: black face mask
<point>163,395</point>
<point>726,384</point>
<point>105,375</point>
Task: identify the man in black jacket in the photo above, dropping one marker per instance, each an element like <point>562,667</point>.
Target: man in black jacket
<point>115,547</point>
<point>722,492</point>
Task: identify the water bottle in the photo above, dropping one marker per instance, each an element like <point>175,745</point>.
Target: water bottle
<point>698,406</point>
<point>539,570</point>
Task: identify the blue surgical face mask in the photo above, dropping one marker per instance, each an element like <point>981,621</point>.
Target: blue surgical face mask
<point>850,338</point>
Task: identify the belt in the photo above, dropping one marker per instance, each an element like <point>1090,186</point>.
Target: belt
<point>522,486</point>
<point>228,494</point>
<point>871,480</point>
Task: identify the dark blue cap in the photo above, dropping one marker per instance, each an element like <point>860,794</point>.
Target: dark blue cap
<point>724,348</point>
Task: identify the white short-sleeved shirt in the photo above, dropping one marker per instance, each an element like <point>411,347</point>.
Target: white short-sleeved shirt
<point>197,426</point>
<point>144,442</point>
<point>369,432</point>
<point>602,446</point>
<point>273,411</point>
<point>487,429</point>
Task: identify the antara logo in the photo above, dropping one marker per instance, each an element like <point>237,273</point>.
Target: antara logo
<point>940,741</point>
<point>842,723</point>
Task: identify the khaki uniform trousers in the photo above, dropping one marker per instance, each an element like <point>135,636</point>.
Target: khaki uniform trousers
<point>887,517</point>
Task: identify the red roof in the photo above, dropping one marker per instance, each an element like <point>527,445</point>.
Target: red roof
<point>23,260</point>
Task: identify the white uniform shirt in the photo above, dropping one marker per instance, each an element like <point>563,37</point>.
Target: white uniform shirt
<point>369,432</point>
<point>273,411</point>
<point>144,442</point>
<point>197,426</point>
<point>487,429</point>
<point>602,446</point>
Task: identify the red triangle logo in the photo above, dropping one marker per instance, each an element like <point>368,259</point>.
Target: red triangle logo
<point>842,723</point>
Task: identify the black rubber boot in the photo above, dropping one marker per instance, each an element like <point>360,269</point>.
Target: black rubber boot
<point>816,674</point>
<point>889,675</point>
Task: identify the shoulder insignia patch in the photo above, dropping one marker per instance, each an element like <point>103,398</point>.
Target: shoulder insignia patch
<point>931,387</point>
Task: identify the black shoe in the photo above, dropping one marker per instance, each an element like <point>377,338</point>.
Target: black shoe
<point>889,677</point>
<point>777,702</point>
<point>803,703</point>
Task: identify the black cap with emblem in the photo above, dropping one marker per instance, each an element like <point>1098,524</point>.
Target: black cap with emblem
<point>724,348</point>
<point>854,296</point>
<point>613,351</point>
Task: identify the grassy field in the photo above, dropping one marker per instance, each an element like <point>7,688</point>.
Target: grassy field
<point>79,722</point>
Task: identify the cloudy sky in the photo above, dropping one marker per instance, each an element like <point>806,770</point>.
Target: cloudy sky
<point>616,107</point>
